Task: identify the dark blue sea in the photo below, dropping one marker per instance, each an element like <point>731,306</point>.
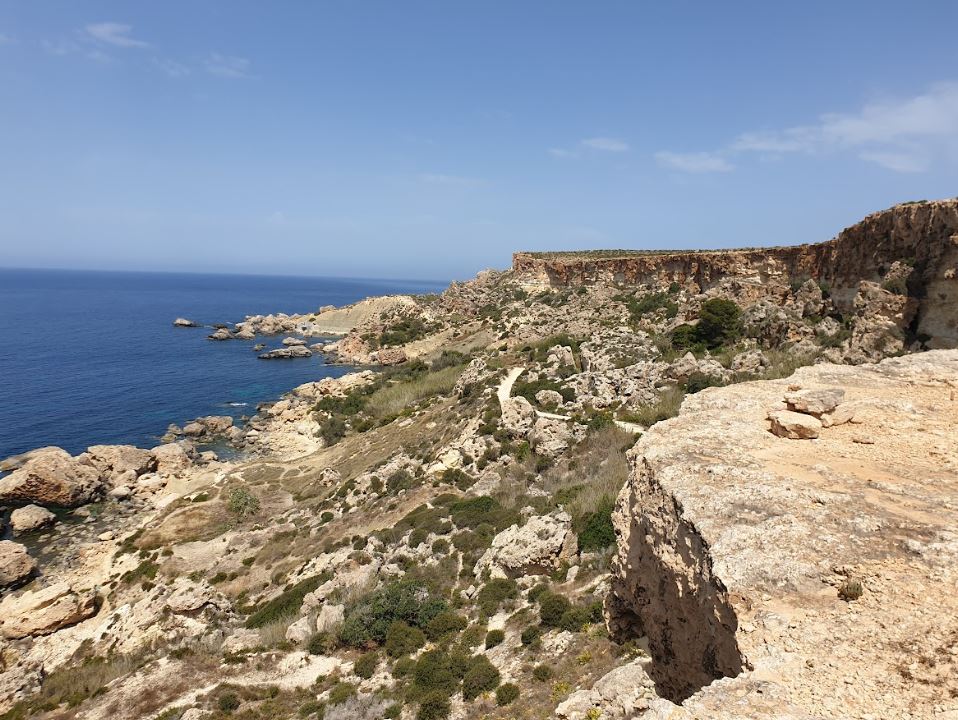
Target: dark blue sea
<point>93,357</point>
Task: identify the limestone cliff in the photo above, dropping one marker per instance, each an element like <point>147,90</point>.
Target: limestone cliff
<point>803,572</point>
<point>922,236</point>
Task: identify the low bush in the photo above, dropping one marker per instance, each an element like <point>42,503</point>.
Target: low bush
<point>481,676</point>
<point>445,623</point>
<point>434,706</point>
<point>341,692</point>
<point>530,635</point>
<point>242,502</point>
<point>552,607</point>
<point>406,600</point>
<point>494,637</point>
<point>543,672</point>
<point>595,531</point>
<point>321,643</point>
<point>332,430</point>
<point>365,666</point>
<point>507,694</point>
<point>228,703</point>
<point>575,618</point>
<point>284,605</point>
<point>494,593</point>
<point>698,381</point>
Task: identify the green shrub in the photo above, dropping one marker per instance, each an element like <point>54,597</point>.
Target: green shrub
<point>332,430</point>
<point>476,511</point>
<point>536,590</point>
<point>719,323</point>
<point>448,358</point>
<point>435,672</point>
<point>575,618</point>
<point>365,666</point>
<point>403,639</point>
<point>228,702</point>
<point>530,635</point>
<point>506,694</point>
<point>403,667</point>
<point>393,711</point>
<point>481,676</point>
<point>596,531</point>
<point>494,593</point>
<point>341,692</point>
<point>552,607</point>
<point>897,286</point>
<point>445,623</point>
<point>685,338</point>
<point>321,643</point>
<point>473,635</point>
<point>543,672</point>
<point>455,476</point>
<point>399,480</point>
<point>284,605</point>
<point>406,600</point>
<point>698,381</point>
<point>434,706</point>
<point>242,502</point>
<point>494,637</point>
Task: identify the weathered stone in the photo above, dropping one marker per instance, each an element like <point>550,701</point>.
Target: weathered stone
<point>797,426</point>
<point>16,565</point>
<point>112,461</point>
<point>51,477</point>
<point>814,402</point>
<point>30,518</point>
<point>391,356</point>
<point>539,546</point>
<point>44,611</point>
<point>329,617</point>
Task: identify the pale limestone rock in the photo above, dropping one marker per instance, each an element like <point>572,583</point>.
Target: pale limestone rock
<point>290,341</point>
<point>518,416</point>
<point>549,397</point>
<point>183,322</point>
<point>618,695</point>
<point>51,477</point>
<point>550,437</point>
<point>220,334</point>
<point>16,565</point>
<point>29,518</point>
<point>814,402</point>
<point>116,462</point>
<point>44,611</point>
<point>750,361</point>
<point>391,356</point>
<point>475,373</point>
<point>171,459</point>
<point>329,617</point>
<point>794,425</point>
<point>298,632</point>
<point>539,546</point>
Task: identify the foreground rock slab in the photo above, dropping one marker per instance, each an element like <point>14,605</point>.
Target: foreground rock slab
<point>51,477</point>
<point>44,611</point>
<point>16,565</point>
<point>818,579</point>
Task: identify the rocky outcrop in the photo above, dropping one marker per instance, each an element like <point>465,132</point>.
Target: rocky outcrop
<point>183,322</point>
<point>51,477</point>
<point>287,353</point>
<point>539,546</point>
<point>40,612</point>
<point>922,236</point>
<point>16,565</point>
<point>119,462</point>
<point>737,547</point>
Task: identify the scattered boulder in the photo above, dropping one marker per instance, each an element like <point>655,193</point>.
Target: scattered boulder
<point>183,322</point>
<point>518,415</point>
<point>171,459</point>
<point>814,402</point>
<point>30,518</point>
<point>329,617</point>
<point>619,694</point>
<point>549,398</point>
<point>220,334</point>
<point>752,362</point>
<point>794,425</point>
<point>16,565</point>
<point>41,612</point>
<point>291,341</point>
<point>809,299</point>
<point>550,436</point>
<point>539,546</point>
<point>115,461</point>
<point>476,372</point>
<point>51,477</point>
<point>391,356</point>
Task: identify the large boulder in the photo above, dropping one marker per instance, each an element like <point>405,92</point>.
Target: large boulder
<point>518,415</point>
<point>391,356</point>
<point>116,461</point>
<point>30,518</point>
<point>539,546</point>
<point>51,477</point>
<point>287,353</point>
<point>550,437</point>
<point>617,695</point>
<point>171,459</point>
<point>16,565</point>
<point>814,402</point>
<point>183,322</point>
<point>809,299</point>
<point>41,612</point>
<point>794,425</point>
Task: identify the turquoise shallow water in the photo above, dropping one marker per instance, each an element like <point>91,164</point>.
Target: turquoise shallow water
<point>92,357</point>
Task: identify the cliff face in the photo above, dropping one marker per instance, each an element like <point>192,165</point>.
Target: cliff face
<point>739,550</point>
<point>922,236</point>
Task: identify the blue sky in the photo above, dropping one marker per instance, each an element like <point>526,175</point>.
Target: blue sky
<point>431,139</point>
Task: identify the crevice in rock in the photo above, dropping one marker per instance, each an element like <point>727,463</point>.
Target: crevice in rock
<point>664,588</point>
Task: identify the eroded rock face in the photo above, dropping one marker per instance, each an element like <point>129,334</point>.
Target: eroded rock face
<point>734,545</point>
<point>51,477</point>
<point>44,611</point>
<point>115,461</point>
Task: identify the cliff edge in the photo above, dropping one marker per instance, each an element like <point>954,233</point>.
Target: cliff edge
<point>810,578</point>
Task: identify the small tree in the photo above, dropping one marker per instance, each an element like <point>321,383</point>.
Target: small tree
<point>719,323</point>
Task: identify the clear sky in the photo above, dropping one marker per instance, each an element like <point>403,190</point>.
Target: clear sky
<point>431,139</point>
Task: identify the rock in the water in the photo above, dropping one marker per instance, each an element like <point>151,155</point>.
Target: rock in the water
<point>287,353</point>
<point>794,425</point>
<point>291,341</point>
<point>183,322</point>
<point>51,477</point>
<point>16,565</point>
<point>44,611</point>
<point>30,518</point>
<point>220,334</point>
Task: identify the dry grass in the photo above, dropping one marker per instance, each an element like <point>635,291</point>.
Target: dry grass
<point>393,399</point>
<point>598,470</point>
<point>667,406</point>
<point>785,362</point>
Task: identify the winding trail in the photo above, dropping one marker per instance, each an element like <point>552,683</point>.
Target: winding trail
<point>504,393</point>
